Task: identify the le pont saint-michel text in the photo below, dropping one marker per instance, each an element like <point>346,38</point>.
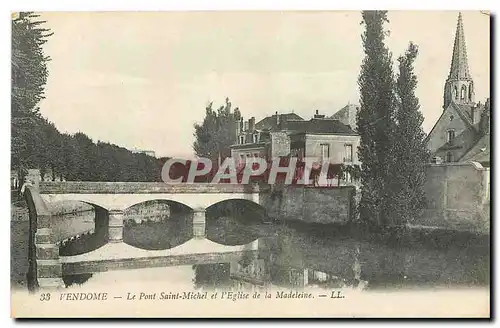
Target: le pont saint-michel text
<point>222,295</point>
<point>197,295</point>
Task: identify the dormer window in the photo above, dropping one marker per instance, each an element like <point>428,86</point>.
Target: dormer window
<point>463,92</point>
<point>455,93</point>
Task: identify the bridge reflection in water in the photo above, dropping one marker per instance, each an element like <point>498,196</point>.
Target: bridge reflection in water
<point>300,256</point>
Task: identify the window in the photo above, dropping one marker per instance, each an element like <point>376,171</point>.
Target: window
<point>470,92</point>
<point>455,92</point>
<point>449,157</point>
<point>450,135</point>
<point>255,138</point>
<point>242,140</point>
<point>463,92</point>
<point>325,151</point>
<point>348,153</point>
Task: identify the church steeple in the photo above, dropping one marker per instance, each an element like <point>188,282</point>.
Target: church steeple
<point>459,86</point>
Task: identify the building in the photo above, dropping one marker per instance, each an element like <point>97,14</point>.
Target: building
<point>323,138</point>
<point>291,135</point>
<point>262,139</point>
<point>462,131</point>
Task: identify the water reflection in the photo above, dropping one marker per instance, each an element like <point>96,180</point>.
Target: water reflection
<point>299,256</point>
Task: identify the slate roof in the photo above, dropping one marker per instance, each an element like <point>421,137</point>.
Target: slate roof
<point>464,111</point>
<point>466,140</point>
<point>480,151</point>
<point>319,126</point>
<point>269,123</point>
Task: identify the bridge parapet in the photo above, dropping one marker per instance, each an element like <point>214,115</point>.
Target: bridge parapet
<point>88,187</point>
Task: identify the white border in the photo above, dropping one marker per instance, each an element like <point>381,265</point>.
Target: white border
<point>143,5</point>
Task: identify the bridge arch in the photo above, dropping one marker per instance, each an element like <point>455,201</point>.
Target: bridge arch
<point>165,200</point>
<point>157,224</point>
<point>235,221</point>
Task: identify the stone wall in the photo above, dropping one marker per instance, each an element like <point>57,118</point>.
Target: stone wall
<point>458,197</point>
<point>312,205</point>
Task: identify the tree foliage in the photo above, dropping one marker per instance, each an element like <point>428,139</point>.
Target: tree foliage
<point>28,78</point>
<point>217,133</point>
<point>408,147</point>
<point>36,142</point>
<point>375,120</point>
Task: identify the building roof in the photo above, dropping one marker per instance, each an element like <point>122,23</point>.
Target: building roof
<point>459,69</point>
<point>464,111</point>
<point>346,109</point>
<point>271,122</point>
<point>319,126</point>
<point>464,140</point>
<point>480,151</point>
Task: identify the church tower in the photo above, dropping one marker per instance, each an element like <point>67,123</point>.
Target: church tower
<point>459,86</point>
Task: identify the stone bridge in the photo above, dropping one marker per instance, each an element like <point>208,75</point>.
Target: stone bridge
<point>110,200</point>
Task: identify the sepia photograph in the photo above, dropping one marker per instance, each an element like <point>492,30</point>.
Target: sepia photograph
<point>249,164</point>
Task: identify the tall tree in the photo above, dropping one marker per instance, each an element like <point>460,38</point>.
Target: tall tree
<point>409,148</point>
<point>375,120</point>
<point>217,133</point>
<point>28,78</point>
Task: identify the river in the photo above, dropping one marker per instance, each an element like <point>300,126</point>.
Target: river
<point>299,255</point>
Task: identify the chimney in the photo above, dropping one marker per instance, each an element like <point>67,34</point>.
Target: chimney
<point>282,122</point>
<point>238,128</point>
<point>317,115</point>
<point>251,124</point>
<point>277,118</point>
<point>246,126</point>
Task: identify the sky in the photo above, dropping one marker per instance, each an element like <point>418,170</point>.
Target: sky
<point>143,79</point>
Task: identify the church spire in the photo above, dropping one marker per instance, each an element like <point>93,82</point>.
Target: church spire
<point>459,87</point>
<point>459,67</point>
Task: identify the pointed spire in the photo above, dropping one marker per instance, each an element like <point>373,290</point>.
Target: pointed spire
<point>459,66</point>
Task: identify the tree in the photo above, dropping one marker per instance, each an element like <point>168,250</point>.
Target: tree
<point>484,122</point>
<point>28,78</point>
<point>217,133</point>
<point>409,148</point>
<point>375,120</point>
